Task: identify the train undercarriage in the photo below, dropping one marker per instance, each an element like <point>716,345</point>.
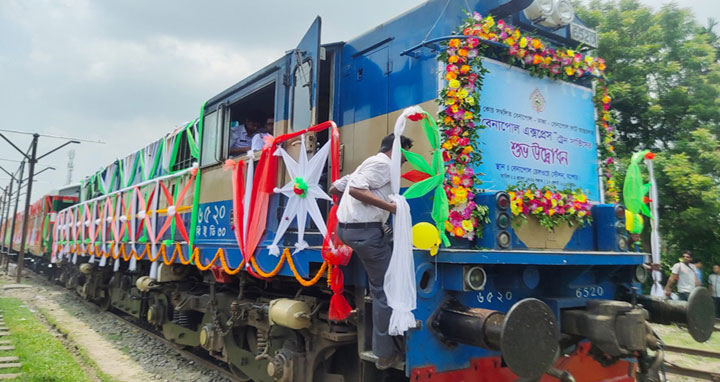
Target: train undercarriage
<point>255,326</point>
<point>275,330</point>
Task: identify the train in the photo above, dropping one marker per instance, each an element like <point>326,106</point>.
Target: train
<point>40,226</point>
<point>215,250</point>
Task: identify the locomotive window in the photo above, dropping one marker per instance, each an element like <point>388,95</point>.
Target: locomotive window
<point>302,107</point>
<point>211,140</point>
<point>248,120</point>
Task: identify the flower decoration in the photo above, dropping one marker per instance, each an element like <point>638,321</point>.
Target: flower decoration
<point>300,188</point>
<point>551,207</point>
<point>607,148</point>
<point>459,117</point>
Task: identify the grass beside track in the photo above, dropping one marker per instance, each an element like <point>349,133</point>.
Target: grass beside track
<point>43,358</point>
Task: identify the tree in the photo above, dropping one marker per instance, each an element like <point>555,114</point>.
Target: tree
<point>689,185</point>
<point>664,78</point>
<point>662,68</point>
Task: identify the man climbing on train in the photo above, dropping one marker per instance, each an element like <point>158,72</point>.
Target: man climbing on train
<point>364,207</point>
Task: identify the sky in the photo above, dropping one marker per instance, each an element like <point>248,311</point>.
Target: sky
<point>127,72</point>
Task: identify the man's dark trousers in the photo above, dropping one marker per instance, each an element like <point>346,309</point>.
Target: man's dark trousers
<point>374,250</point>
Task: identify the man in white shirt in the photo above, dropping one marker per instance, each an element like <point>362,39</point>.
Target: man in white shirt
<point>714,287</point>
<point>258,139</point>
<point>685,274</point>
<point>364,207</point>
<point>247,136</point>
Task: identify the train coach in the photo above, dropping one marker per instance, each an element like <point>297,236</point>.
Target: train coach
<point>234,252</point>
<point>40,227</point>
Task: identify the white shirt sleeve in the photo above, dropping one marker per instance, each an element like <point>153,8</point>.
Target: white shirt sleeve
<point>676,269</point>
<point>258,141</point>
<point>341,183</point>
<point>373,175</point>
<point>238,137</point>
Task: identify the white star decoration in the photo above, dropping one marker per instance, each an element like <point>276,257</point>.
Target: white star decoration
<point>301,205</point>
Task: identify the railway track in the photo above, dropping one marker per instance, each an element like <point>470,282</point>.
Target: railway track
<point>694,373</point>
<point>210,363</point>
<point>200,360</point>
<point>676,369</point>
<point>189,355</point>
<point>691,351</point>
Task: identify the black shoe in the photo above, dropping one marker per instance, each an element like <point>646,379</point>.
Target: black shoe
<point>388,362</point>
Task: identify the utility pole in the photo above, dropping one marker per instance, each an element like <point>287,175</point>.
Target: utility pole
<point>7,198</point>
<point>26,215</point>
<point>32,160</point>
<point>3,221</point>
<point>5,248</point>
<point>14,217</point>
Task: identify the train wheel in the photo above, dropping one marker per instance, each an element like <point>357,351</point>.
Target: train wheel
<point>104,302</point>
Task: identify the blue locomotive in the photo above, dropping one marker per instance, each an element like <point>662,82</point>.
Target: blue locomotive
<point>186,233</point>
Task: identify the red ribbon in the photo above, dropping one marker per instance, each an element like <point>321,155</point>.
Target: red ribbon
<point>263,186</point>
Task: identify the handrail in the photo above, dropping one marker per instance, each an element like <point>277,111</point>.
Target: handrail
<point>141,184</point>
<point>408,52</point>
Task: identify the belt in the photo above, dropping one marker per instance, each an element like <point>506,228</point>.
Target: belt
<point>360,225</point>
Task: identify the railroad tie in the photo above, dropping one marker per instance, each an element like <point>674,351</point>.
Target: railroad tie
<point>9,361</point>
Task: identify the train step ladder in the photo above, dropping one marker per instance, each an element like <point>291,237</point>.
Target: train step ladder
<point>371,357</point>
<point>7,361</point>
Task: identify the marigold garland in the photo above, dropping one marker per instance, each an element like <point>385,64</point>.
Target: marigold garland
<point>460,99</point>
<point>195,258</point>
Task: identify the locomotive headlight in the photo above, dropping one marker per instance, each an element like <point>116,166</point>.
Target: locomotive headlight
<point>622,242</point>
<point>620,212</point>
<point>539,9</point>
<point>475,278</point>
<point>503,239</point>
<point>564,13</point>
<point>503,200</point>
<point>503,220</point>
<point>641,274</point>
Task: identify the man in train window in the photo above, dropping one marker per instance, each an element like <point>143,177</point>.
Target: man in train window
<point>364,207</point>
<point>241,135</point>
<point>258,139</point>
<point>684,273</point>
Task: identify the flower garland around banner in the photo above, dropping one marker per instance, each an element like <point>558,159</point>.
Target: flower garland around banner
<point>459,117</point>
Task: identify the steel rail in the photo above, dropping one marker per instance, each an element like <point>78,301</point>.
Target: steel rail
<point>694,373</point>
<point>691,351</point>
